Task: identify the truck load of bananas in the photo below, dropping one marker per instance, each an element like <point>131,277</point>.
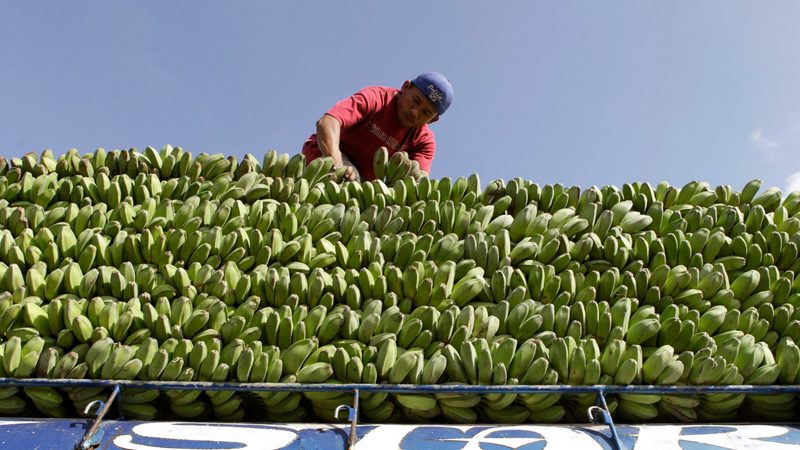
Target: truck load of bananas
<point>161,265</point>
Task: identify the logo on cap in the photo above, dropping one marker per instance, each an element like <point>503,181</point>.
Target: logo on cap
<point>435,94</point>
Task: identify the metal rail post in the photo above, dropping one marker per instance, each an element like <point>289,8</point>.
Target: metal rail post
<point>92,437</point>
<point>605,416</point>
<point>352,416</point>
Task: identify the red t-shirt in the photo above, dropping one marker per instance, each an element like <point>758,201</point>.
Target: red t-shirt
<point>369,121</point>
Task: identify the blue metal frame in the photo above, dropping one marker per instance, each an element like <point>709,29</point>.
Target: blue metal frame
<point>92,438</point>
<point>409,388</point>
<point>606,418</point>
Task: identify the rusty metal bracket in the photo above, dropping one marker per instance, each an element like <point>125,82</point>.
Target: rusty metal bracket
<point>93,436</point>
<point>352,416</point>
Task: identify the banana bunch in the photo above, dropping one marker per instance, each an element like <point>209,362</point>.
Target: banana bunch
<point>186,404</point>
<point>47,400</point>
<point>394,168</point>
<point>530,365</point>
<point>719,407</point>
<point>20,360</point>
<point>226,405</point>
<point>663,366</point>
<point>397,365</point>
<point>13,404</point>
<point>11,352</point>
<point>265,365</point>
<point>623,364</point>
<point>759,367</point>
<point>576,363</point>
<point>500,407</point>
<point>678,327</point>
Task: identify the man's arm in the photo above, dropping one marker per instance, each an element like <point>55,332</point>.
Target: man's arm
<point>328,133</point>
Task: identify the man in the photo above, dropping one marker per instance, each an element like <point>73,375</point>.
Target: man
<point>379,116</point>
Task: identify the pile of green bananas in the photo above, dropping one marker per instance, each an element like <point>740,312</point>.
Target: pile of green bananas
<point>161,265</point>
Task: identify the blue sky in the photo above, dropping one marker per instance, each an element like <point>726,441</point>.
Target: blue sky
<point>578,93</point>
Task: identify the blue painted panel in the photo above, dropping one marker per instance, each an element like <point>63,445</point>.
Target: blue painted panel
<point>58,434</point>
<point>49,434</point>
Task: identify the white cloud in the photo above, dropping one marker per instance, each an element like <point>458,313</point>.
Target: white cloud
<point>792,183</point>
<point>763,144</point>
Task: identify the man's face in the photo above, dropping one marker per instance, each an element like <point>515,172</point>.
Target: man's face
<point>413,108</point>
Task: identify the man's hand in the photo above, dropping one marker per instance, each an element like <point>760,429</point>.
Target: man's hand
<point>328,133</point>
<point>350,173</point>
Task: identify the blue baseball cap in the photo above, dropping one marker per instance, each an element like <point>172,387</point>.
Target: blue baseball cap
<point>437,88</point>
